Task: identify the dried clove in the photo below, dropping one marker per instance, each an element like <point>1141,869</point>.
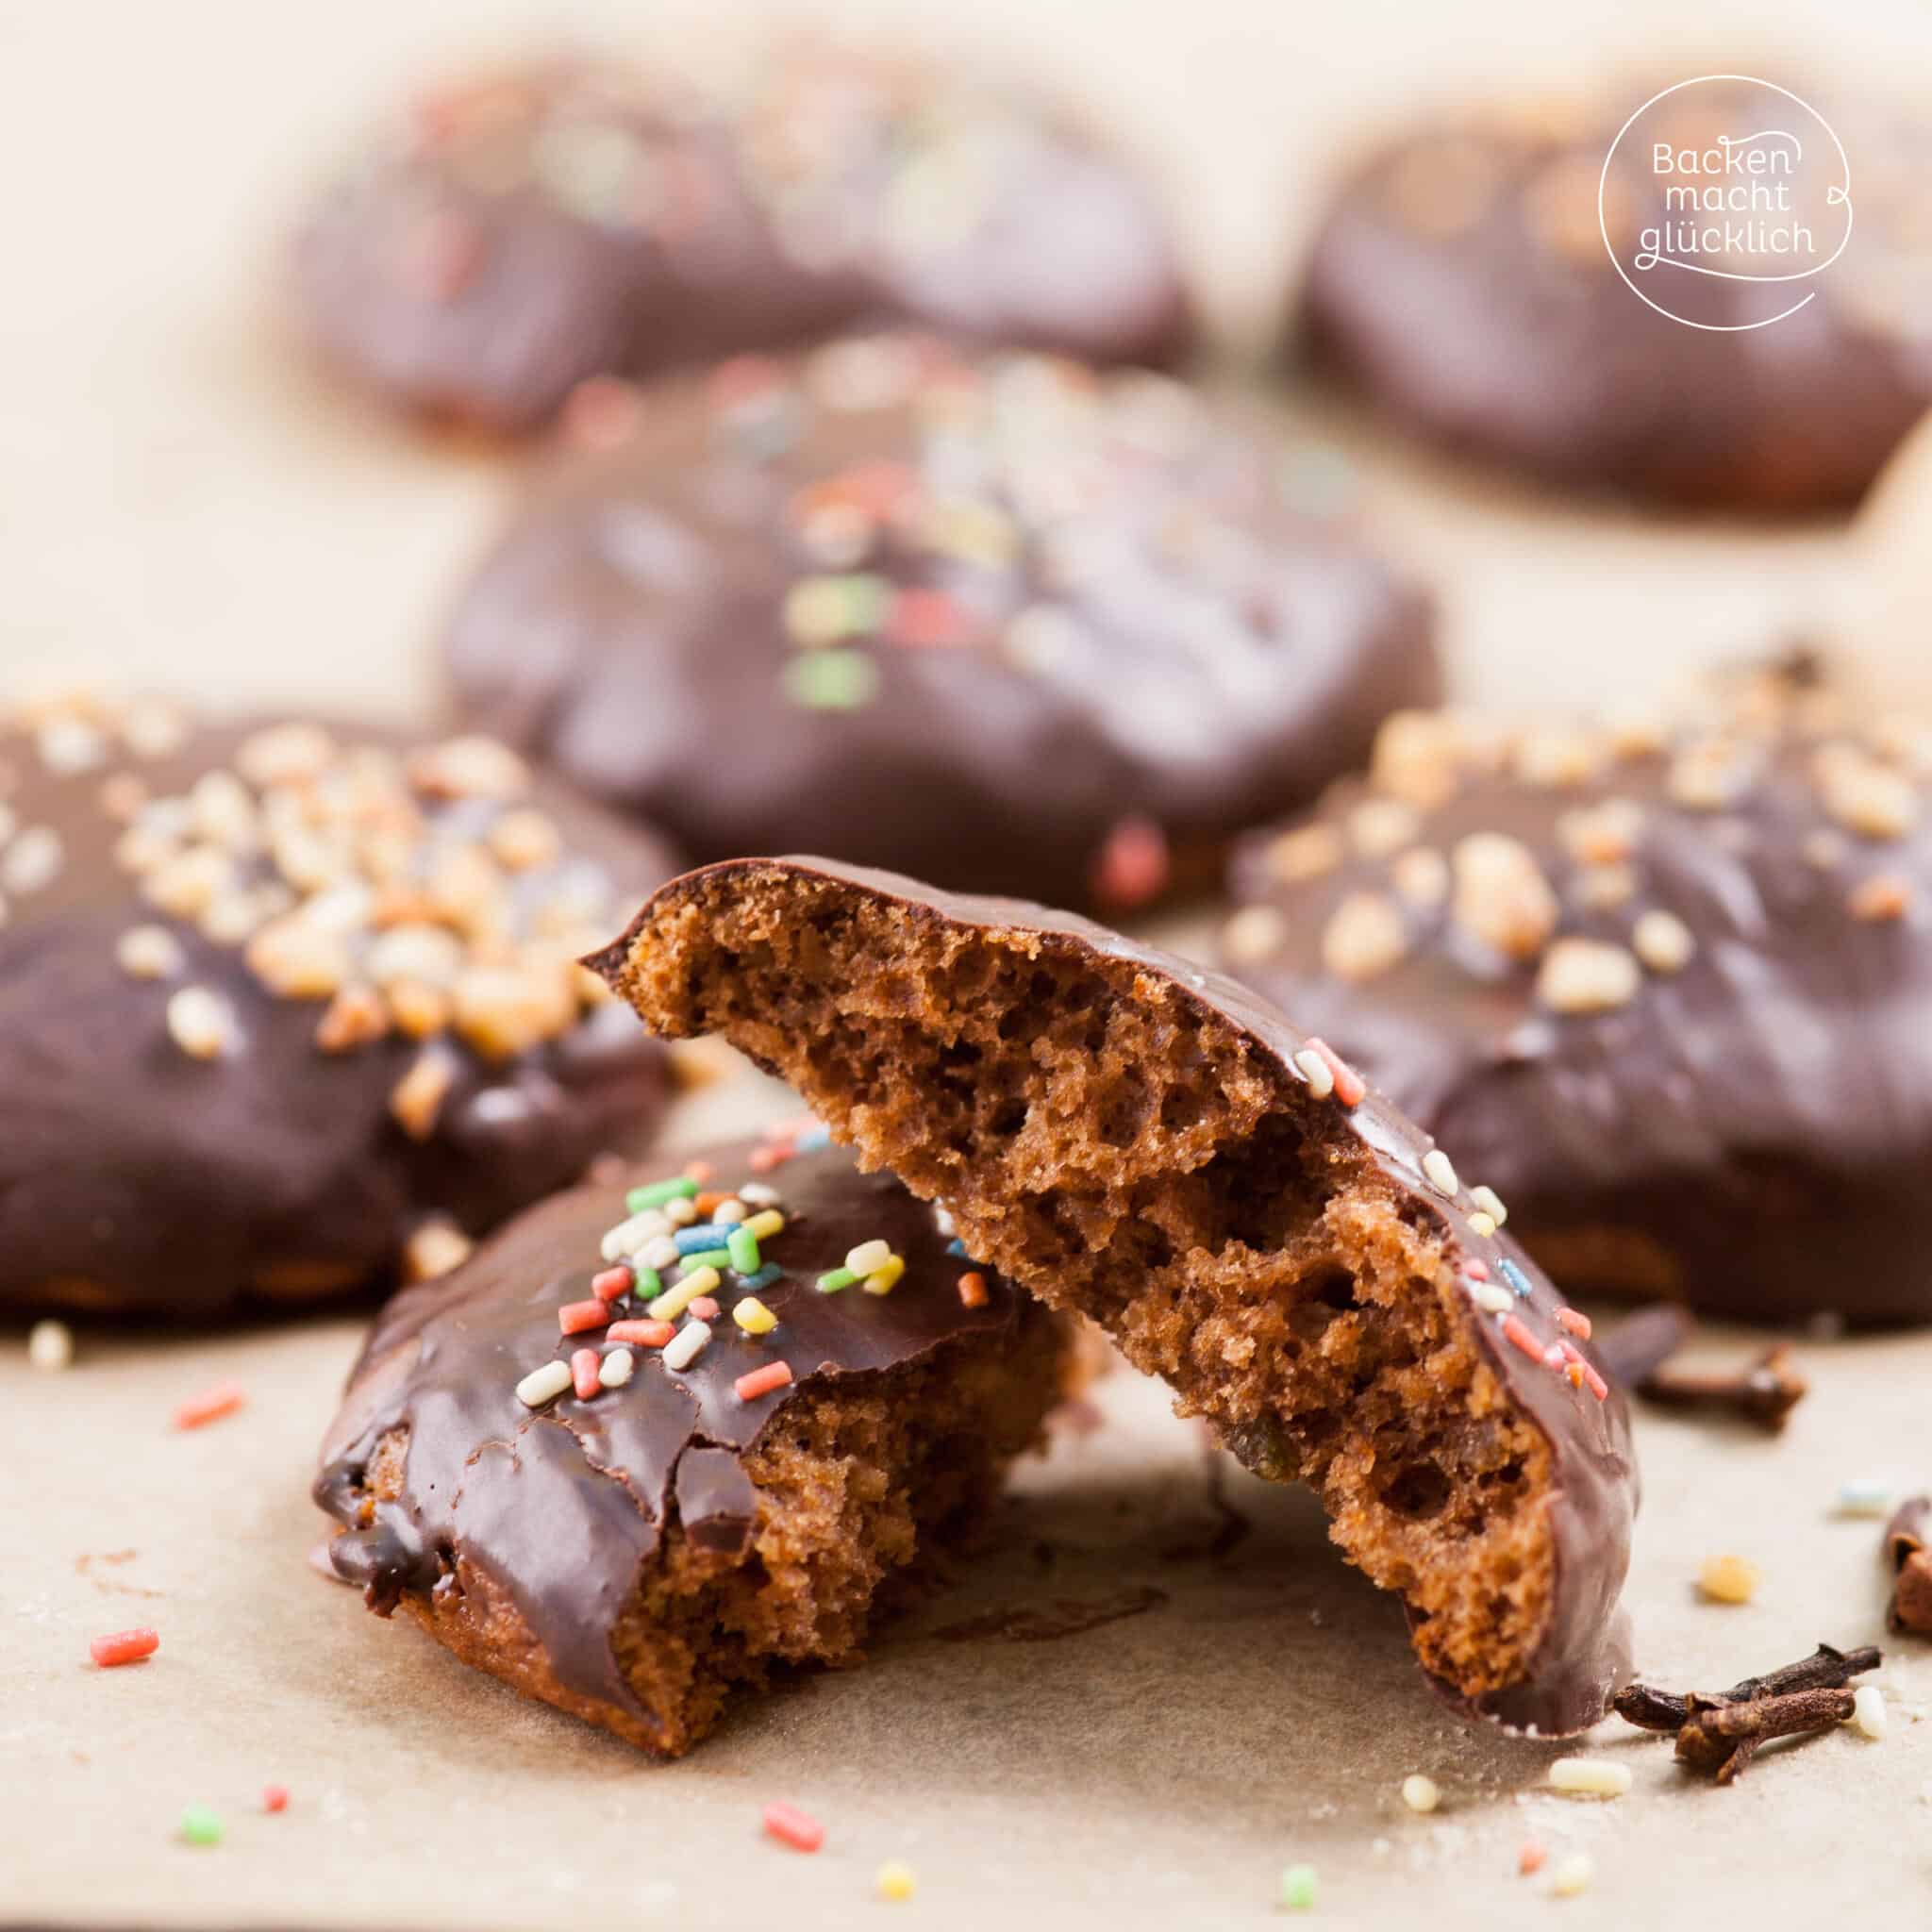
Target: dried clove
<point>1912,1562</point>
<point>1723,1738</point>
<point>1764,1392</point>
<point>1635,1348</point>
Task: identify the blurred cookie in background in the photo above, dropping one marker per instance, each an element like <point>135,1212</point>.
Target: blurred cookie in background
<point>1015,624</point>
<point>287,1009</point>
<point>1463,281</point>
<point>518,232</point>
<point>1662,984</point>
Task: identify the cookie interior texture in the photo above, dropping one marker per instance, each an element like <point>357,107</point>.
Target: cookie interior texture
<point>1118,1148</point>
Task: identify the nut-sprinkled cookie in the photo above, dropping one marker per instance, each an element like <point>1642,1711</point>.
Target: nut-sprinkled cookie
<point>650,1446</point>
<point>284,1007</point>
<point>1462,280</point>
<point>524,230</point>
<point>1156,1148</point>
<point>1661,983</point>
<point>1000,618</point>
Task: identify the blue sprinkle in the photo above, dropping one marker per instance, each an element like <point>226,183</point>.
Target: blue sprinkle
<point>1515,1276</point>
<point>813,1139</point>
<point>764,1278</point>
<point>694,1240</point>
<point>957,1248</point>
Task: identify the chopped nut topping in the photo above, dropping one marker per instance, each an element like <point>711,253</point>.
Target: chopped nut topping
<point>187,883</point>
<point>1588,976</point>
<point>434,1249</point>
<point>201,1022</point>
<point>298,958</point>
<point>284,755</point>
<point>419,1010</point>
<point>355,1017</point>
<point>1251,933</point>
<point>1662,941</point>
<point>1601,886</point>
<point>32,862</point>
<point>1553,759</point>
<point>1602,834</point>
<point>1876,801</point>
<point>1305,853</point>
<point>470,768</point>
<point>1418,758</point>
<point>523,841</point>
<point>222,810</point>
<point>503,1012</point>
<point>417,1098</point>
<point>1502,897</point>
<point>1382,826</point>
<point>122,797</point>
<point>1364,937</point>
<point>1885,895</point>
<point>1421,876</point>
<point>149,952</point>
<point>1709,773</point>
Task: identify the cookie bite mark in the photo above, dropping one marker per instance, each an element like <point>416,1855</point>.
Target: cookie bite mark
<point>1145,1143</point>
<point>529,1465</point>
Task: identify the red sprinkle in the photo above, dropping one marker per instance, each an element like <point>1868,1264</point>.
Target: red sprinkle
<point>762,1381</point>
<point>699,1171</point>
<point>791,1826</point>
<point>1133,866</point>
<point>929,617</point>
<point>763,1159</point>
<point>123,1647</point>
<point>210,1406</point>
<point>1516,1330</point>
<point>1530,1858</point>
<point>584,1364</point>
<point>1575,1321</point>
<point>601,412</point>
<point>1476,1270</point>
<point>790,1130</point>
<point>1595,1383</point>
<point>973,1288</point>
<point>274,1797</point>
<point>1350,1087</point>
<point>645,1334</point>
<point>612,1283</point>
<point>575,1317</point>
<point>702,1307</point>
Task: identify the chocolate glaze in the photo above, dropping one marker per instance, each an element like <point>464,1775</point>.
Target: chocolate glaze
<point>1151,628</point>
<point>135,1176</point>
<point>1535,353</point>
<point>1584,1653</point>
<point>530,229</point>
<point>1749,1134</point>
<point>563,1506</point>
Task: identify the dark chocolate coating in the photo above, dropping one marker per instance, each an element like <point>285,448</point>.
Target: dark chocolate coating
<point>528,230</point>
<point>1139,623</point>
<point>1461,281</point>
<point>133,1176</point>
<point>562,1506</point>
<point>1749,1133</point>
<point>1584,1655</point>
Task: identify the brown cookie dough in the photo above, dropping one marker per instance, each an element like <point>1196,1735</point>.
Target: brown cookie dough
<point>524,230</point>
<point>1462,280</point>
<point>1152,1146</point>
<point>286,1008</point>
<point>637,1546</point>
<point>1662,982</point>
<point>999,620</point>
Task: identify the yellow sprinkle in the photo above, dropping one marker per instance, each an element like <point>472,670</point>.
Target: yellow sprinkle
<point>884,1280</point>
<point>766,1224</point>
<point>1421,1793</point>
<point>1590,1777</point>
<point>1572,1875</point>
<point>896,1880</point>
<point>1729,1579</point>
<point>1482,1224</point>
<point>675,1300</point>
<point>753,1316</point>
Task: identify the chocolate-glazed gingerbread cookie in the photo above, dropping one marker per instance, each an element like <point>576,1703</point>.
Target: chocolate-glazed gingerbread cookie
<point>1662,982</point>
<point>285,1007</point>
<point>528,229</point>
<point>650,1445</point>
<point>1000,620</point>
<point>1158,1148</point>
<point>1461,279</point>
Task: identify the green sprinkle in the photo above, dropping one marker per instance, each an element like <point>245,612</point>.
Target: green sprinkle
<point>831,680</point>
<point>708,1258</point>
<point>1298,1887</point>
<point>837,1278</point>
<point>201,1825</point>
<point>742,1246</point>
<point>658,1192</point>
<point>650,1283</point>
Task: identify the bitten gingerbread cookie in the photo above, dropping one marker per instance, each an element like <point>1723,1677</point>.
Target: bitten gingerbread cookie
<point>1463,281</point>
<point>1156,1148</point>
<point>527,230</point>
<point>1661,982</point>
<point>1000,618</point>
<point>285,1008</point>
<point>651,1446</point>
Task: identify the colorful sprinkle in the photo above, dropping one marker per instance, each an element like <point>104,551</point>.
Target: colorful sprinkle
<point>1729,1579</point>
<point>1350,1087</point>
<point>756,1382</point>
<point>972,1290</point>
<point>575,1317</point>
<point>699,1236</point>
<point>1489,1202</point>
<point>586,1373</point>
<point>210,1406</point>
<point>883,1280</point>
<point>770,1272</point>
<point>1575,1321</point>
<point>275,1798</point>
<point>123,1647</point>
<point>1864,1496</point>
<point>711,1259</point>
<point>896,1880</point>
<point>837,1278</point>
<point>753,1316</point>
<point>1440,1172</point>
<point>613,1283</point>
<point>830,680</point>
<point>617,1368</point>
<point>766,1223</point>
<point>867,1255</point>
<point>1869,1716</point>
<point>742,1251</point>
<point>1572,1878</point>
<point>1421,1793</point>
<point>1490,1299</point>
<point>685,1347</point>
<point>1298,1889</point>
<point>703,1307</point>
<point>1314,1069</point>
<point>650,1284</point>
<point>50,1347</point>
<point>1530,1858</point>
<point>1517,1333</point>
<point>644,1334</point>
<point>1514,1276</point>
<point>544,1383</point>
<point>794,1828</point>
<point>660,1193</point>
<point>1589,1777</point>
<point>680,1294</point>
<point>201,1825</point>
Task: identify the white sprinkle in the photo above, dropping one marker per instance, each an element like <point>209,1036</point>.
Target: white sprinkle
<point>942,1218</point>
<point>1420,1793</point>
<point>1315,1070</point>
<point>543,1384</point>
<point>1484,1225</point>
<point>868,1258</point>
<point>685,1347</point>
<point>1662,941</point>
<point>616,1367</point>
<point>1865,1495</point>
<point>1490,1299</point>
<point>629,1236</point>
<point>757,1194</point>
<point>200,1022</point>
<point>33,860</point>
<point>660,1251</point>
<point>1572,1875</point>
<point>50,1346</point>
<point>1868,1712</point>
<point>727,1213</point>
<point>1491,1203</point>
<point>1438,1171</point>
<point>149,952</point>
<point>679,1212</point>
<point>1590,1777</point>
